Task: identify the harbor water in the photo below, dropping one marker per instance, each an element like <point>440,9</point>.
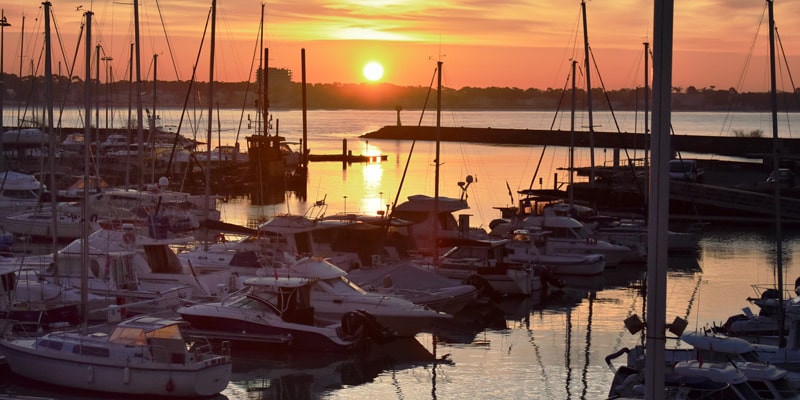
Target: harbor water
<point>549,346</point>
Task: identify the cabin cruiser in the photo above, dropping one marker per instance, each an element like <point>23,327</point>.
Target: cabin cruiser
<point>333,295</point>
<point>483,263</point>
<point>530,247</point>
<point>690,375</point>
<point>568,236</point>
<point>421,211</point>
<point>248,255</point>
<point>142,356</point>
<point>139,273</point>
<point>629,232</point>
<point>19,192</point>
<point>767,379</point>
<point>409,281</point>
<point>269,311</point>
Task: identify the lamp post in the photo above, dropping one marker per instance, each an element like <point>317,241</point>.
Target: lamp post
<point>3,25</point>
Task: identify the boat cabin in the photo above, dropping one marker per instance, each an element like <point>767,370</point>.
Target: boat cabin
<point>290,298</point>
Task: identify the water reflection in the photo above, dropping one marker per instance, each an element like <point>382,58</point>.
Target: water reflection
<point>297,375</point>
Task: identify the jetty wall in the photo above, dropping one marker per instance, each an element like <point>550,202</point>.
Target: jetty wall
<point>721,145</point>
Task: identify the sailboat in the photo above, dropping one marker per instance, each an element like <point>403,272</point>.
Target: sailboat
<point>140,356</point>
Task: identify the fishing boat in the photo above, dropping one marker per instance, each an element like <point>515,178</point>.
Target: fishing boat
<point>141,356</point>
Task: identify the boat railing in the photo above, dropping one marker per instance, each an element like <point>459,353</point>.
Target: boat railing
<point>766,292</point>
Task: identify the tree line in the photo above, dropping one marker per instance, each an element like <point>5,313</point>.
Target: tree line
<point>285,94</point>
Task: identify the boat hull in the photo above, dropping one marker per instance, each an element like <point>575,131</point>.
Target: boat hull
<point>249,334</point>
<point>133,376</point>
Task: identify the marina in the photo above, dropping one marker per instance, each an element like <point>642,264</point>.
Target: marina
<point>553,342</point>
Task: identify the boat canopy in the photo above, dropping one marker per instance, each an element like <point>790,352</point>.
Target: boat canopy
<point>425,203</point>
<point>136,331</point>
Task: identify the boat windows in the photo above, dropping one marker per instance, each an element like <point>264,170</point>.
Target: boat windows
<point>91,351</point>
<point>50,344</point>
<point>20,194</point>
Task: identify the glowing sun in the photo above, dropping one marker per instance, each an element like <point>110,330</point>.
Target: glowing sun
<point>373,71</point>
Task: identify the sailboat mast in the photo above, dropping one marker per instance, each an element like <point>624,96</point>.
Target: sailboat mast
<point>87,127</point>
<point>3,24</point>
<point>588,92</point>
<point>776,159</point>
<point>658,206</point>
<point>206,199</point>
<point>646,104</point>
<point>48,94</point>
<point>572,135</point>
<point>139,116</point>
<point>437,164</point>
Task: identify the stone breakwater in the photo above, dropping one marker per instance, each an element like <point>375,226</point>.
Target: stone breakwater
<point>721,145</point>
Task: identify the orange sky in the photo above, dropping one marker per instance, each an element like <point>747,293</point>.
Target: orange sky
<point>504,43</point>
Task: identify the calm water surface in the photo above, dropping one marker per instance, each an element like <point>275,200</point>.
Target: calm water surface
<point>545,347</point>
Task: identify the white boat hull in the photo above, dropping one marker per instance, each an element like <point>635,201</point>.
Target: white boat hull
<point>130,376</point>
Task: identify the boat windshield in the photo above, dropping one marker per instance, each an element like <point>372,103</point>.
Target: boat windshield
<point>255,303</point>
<point>341,285</point>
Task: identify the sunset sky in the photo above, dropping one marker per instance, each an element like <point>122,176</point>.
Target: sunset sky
<point>504,43</point>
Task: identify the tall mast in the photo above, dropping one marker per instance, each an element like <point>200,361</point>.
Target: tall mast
<point>572,135</point>
<point>48,94</point>
<point>21,46</point>
<point>206,200</point>
<point>658,211</point>
<point>3,25</point>
<point>139,116</point>
<point>437,164</point>
<point>776,159</point>
<point>261,95</point>
<point>588,92</point>
<point>87,128</point>
<point>646,104</point>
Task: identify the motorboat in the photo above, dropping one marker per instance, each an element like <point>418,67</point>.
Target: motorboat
<point>139,273</point>
<point>155,197</point>
<point>483,264</point>
<point>348,243</point>
<point>409,281</point>
<point>333,295</point>
<point>141,356</point>
<point>567,235</point>
<point>279,311</point>
<point>766,378</point>
<point>530,247</point>
<point>19,192</point>
<point>692,378</point>
<point>431,214</point>
<point>39,223</point>
<point>630,232</point>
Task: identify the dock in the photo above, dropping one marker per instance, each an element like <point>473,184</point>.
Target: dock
<point>347,158</point>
